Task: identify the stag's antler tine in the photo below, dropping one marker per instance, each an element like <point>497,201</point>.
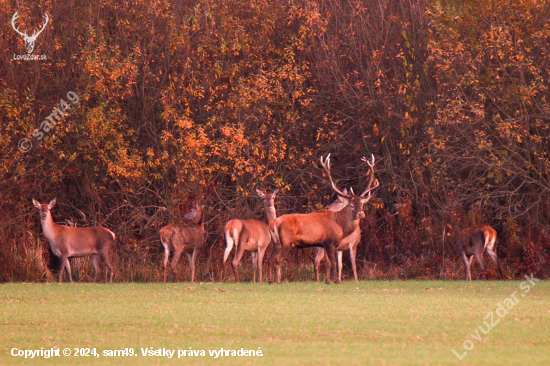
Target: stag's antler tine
<point>370,186</point>
<point>326,166</point>
<point>371,163</point>
<point>326,163</point>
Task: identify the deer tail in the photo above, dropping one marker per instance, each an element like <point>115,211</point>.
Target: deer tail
<point>112,234</point>
<point>232,233</point>
<point>489,239</point>
<point>163,236</point>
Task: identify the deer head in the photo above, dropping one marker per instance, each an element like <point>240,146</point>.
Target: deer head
<point>269,198</point>
<point>355,203</point>
<point>44,209</point>
<point>196,213</point>
<point>29,40</point>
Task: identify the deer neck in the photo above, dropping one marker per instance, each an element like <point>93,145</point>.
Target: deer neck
<point>270,214</point>
<point>49,228</point>
<point>345,219</point>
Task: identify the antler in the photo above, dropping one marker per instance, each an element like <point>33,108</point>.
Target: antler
<point>37,33</point>
<point>326,166</point>
<point>371,178</point>
<point>373,184</point>
<point>13,19</point>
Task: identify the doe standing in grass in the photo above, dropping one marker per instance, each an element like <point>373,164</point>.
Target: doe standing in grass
<point>472,242</point>
<point>251,235</point>
<point>188,238</point>
<point>67,242</point>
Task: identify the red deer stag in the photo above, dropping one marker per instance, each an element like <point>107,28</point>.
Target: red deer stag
<point>67,242</point>
<point>321,228</point>
<point>251,235</point>
<point>187,238</point>
<point>348,243</point>
<point>471,243</point>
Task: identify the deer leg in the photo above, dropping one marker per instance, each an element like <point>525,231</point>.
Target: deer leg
<point>328,265</point>
<point>254,264</point>
<point>279,274</point>
<point>61,268</point>
<point>222,273</point>
<point>234,265</point>
<point>339,255</point>
<point>175,260</point>
<point>319,255</point>
<point>467,265</point>
<point>493,256</point>
<point>195,254</point>
<point>97,266</point>
<point>261,252</point>
<point>282,256</point>
<point>331,263</point>
<point>479,259</point>
<point>191,258</point>
<point>352,255</point>
<point>470,261</point>
<point>68,268</point>
<point>271,261</point>
<point>165,260</point>
<point>237,259</point>
<point>109,264</point>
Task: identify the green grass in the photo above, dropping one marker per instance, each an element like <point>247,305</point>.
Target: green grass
<point>369,323</point>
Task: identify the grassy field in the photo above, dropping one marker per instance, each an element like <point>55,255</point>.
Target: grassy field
<point>368,323</point>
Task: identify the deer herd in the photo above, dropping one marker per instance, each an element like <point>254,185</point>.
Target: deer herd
<point>330,231</point>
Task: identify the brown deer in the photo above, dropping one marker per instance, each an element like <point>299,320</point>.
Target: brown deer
<point>67,242</point>
<point>348,243</point>
<point>251,235</point>
<point>186,238</point>
<point>471,242</point>
<point>321,228</point>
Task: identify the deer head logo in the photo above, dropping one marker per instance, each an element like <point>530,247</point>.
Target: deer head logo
<point>29,40</point>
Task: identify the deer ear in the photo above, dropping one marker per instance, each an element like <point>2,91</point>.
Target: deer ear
<point>52,203</point>
<point>260,193</point>
<point>36,203</point>
<point>275,192</point>
<point>343,199</point>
